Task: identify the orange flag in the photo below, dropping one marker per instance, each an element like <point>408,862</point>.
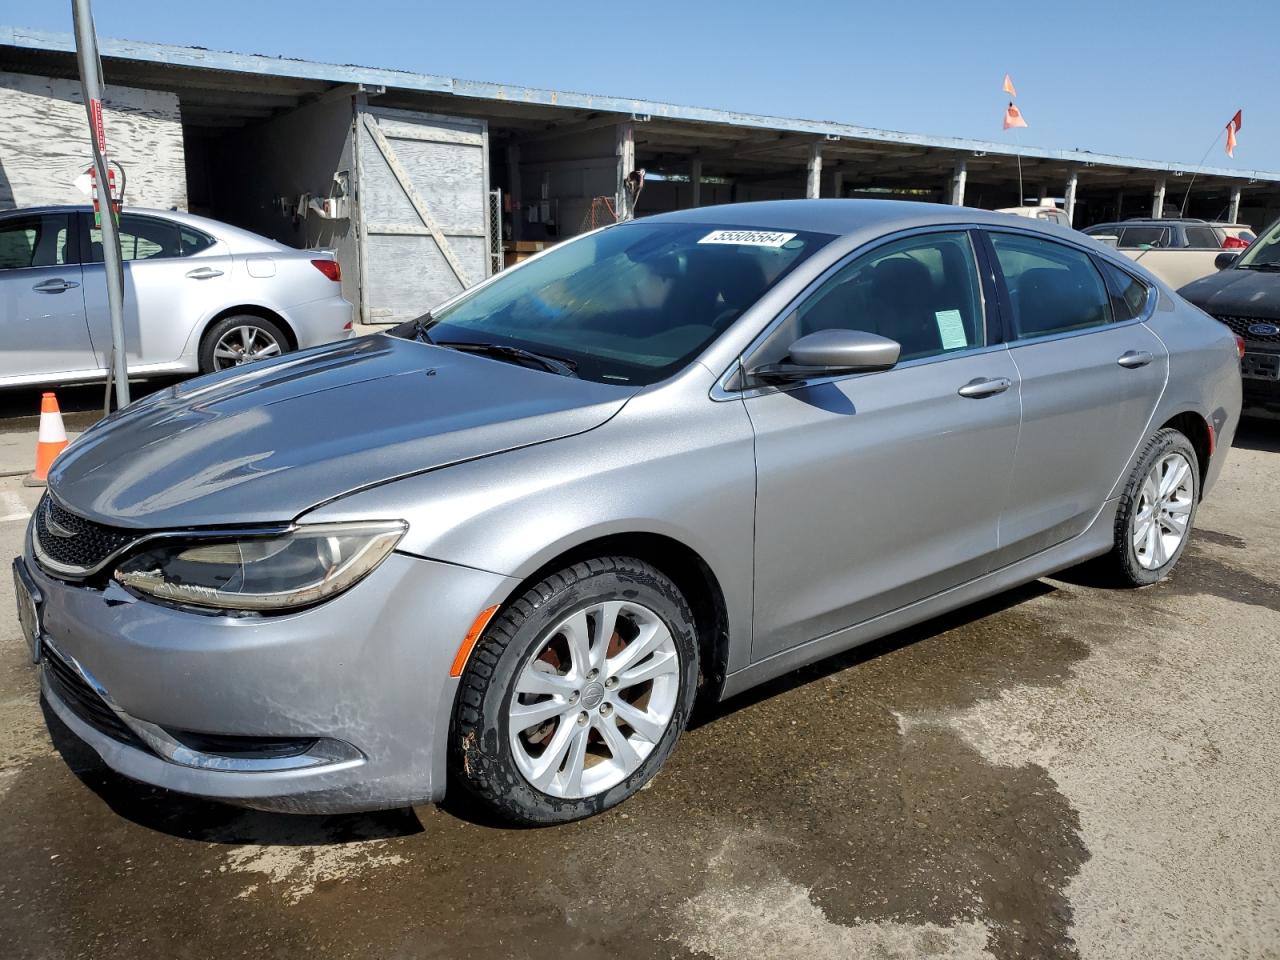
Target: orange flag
<point>1013,117</point>
<point>1008,86</point>
<point>1233,127</point>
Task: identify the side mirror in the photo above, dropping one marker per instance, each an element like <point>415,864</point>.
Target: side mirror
<point>830,353</point>
<point>1107,239</point>
<point>1226,259</point>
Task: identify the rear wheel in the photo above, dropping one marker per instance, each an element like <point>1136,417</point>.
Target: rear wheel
<point>1157,510</point>
<point>577,692</point>
<point>241,339</point>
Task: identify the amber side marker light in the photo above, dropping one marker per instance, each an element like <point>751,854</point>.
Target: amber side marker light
<point>469,641</point>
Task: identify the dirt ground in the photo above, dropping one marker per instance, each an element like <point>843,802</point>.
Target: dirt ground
<point>1063,771</point>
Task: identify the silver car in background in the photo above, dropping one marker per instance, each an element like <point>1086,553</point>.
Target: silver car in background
<point>505,548</point>
<point>199,296</point>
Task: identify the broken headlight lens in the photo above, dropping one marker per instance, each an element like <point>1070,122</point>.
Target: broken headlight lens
<point>280,572</point>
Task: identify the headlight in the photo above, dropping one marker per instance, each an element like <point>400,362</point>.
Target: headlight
<point>262,572</point>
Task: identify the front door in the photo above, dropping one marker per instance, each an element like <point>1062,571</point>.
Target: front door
<point>880,489</point>
<point>1091,375</point>
<point>42,319</point>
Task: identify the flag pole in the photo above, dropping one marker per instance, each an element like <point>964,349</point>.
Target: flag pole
<point>91,85</point>
<point>1017,147</point>
<point>1186,197</point>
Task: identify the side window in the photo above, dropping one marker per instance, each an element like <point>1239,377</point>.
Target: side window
<point>922,292</point>
<point>1053,288</point>
<point>193,241</point>
<point>1203,238</point>
<point>1128,294</point>
<point>39,241</point>
<point>141,238</point>
<point>1138,238</point>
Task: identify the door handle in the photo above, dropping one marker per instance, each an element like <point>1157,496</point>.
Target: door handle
<point>56,285</point>
<point>1132,359</point>
<point>985,387</point>
<point>203,273</point>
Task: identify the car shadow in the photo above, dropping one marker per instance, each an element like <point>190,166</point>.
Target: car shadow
<point>1257,432</point>
<point>208,821</point>
<point>707,713</point>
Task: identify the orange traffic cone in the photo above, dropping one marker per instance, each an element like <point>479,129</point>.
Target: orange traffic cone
<point>51,441</point>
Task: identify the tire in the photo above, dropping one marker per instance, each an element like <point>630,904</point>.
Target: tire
<point>259,333</point>
<point>1127,563</point>
<point>527,665</point>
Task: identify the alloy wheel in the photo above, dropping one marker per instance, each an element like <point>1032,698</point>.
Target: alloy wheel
<point>1164,510</point>
<point>243,344</point>
<point>594,700</point>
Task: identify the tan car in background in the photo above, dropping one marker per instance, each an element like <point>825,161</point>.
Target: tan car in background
<point>1047,212</point>
<point>1177,251</point>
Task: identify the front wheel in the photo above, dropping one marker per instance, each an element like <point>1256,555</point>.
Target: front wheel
<point>1157,510</point>
<point>577,692</point>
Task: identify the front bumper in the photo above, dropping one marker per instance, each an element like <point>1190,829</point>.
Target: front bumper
<point>1260,384</point>
<point>365,676</point>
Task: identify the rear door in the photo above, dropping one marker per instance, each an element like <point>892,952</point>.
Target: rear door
<point>878,489</point>
<point>1091,375</point>
<point>173,275</point>
<point>42,317</point>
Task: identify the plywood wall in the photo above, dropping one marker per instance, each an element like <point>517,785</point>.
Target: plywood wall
<point>44,142</point>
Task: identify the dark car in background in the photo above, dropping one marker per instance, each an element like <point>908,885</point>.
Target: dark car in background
<point>1245,295</point>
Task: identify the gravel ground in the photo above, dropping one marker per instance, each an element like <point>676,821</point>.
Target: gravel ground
<point>1062,771</point>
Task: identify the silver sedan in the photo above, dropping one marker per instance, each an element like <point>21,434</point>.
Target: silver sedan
<point>504,549</point>
<point>199,296</point>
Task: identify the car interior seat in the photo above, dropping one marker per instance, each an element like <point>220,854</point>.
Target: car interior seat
<point>902,299</point>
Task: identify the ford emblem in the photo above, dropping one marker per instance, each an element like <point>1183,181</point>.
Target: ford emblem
<point>1264,329</point>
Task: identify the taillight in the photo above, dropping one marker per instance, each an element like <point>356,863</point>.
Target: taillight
<point>1234,243</point>
<point>1240,346</point>
<point>330,268</point>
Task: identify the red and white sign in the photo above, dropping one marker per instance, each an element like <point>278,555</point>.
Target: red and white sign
<point>99,131</point>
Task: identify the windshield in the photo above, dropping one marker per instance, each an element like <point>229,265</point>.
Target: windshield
<point>631,304</point>
<point>1263,252</point>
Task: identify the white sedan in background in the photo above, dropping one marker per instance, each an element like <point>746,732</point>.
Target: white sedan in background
<point>199,296</point>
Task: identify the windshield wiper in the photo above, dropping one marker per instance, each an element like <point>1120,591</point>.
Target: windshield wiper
<point>1260,266</point>
<point>566,368</point>
<point>420,325</point>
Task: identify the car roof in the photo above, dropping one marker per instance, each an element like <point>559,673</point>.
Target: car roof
<point>842,217</point>
<point>217,228</point>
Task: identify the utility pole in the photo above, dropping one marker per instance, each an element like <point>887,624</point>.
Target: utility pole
<point>91,85</point>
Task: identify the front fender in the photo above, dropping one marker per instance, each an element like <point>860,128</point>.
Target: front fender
<point>689,476</point>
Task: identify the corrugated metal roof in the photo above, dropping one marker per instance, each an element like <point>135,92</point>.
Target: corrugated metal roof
<point>200,58</point>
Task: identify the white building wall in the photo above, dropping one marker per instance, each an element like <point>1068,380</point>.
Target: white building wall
<point>44,142</point>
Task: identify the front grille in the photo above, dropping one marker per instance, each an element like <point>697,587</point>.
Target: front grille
<point>1240,327</point>
<point>81,699</point>
<point>73,541</point>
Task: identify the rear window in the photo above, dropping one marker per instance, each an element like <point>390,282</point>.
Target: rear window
<point>1203,238</point>
<point>1128,294</point>
<point>193,241</point>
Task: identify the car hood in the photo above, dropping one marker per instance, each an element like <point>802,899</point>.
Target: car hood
<point>266,443</point>
<point>1237,292</point>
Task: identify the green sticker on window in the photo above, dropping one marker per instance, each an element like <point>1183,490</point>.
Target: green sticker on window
<point>951,329</point>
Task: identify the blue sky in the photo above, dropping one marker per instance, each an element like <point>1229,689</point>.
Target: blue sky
<point>1139,78</point>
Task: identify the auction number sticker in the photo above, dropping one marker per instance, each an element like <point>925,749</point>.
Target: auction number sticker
<point>748,238</point>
